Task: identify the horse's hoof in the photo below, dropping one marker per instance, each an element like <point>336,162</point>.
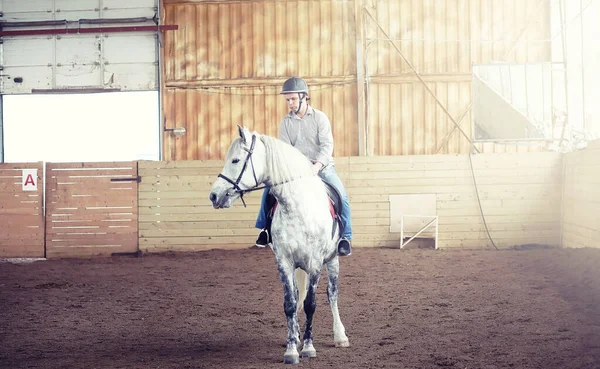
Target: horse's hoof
<point>343,344</point>
<point>291,359</point>
<point>308,353</point>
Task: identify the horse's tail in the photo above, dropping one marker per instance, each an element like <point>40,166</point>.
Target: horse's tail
<point>301,282</point>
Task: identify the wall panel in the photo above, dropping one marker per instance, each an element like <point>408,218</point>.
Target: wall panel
<point>440,40</point>
<point>92,209</point>
<point>520,196</point>
<point>84,60</point>
<point>228,48</point>
<point>211,117</point>
<point>21,212</point>
<point>581,198</point>
<point>226,63</point>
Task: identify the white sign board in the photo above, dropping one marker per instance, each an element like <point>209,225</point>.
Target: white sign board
<point>30,180</point>
<point>418,209</point>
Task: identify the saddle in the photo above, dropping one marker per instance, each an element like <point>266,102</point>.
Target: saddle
<point>335,207</point>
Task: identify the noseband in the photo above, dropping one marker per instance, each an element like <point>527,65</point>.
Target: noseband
<point>236,184</point>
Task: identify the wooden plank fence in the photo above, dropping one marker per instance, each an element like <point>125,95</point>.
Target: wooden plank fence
<point>520,196</point>
<point>21,212</point>
<point>91,208</point>
<point>581,198</point>
<point>100,209</point>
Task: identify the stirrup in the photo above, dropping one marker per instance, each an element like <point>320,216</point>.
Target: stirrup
<point>344,247</point>
<point>263,238</point>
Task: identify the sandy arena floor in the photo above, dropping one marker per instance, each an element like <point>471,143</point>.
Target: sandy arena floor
<point>224,309</point>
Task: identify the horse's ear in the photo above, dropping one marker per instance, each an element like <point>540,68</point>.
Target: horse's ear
<point>241,132</point>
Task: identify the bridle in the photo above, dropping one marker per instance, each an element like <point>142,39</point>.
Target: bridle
<point>236,185</point>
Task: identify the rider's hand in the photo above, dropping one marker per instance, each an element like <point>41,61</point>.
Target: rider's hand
<point>317,166</point>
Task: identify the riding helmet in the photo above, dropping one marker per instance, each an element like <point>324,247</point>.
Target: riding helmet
<point>294,84</point>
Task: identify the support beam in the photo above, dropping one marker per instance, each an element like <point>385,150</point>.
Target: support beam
<point>447,138</point>
<point>361,96</point>
<point>382,79</point>
<point>75,31</point>
<point>255,82</point>
<point>1,128</point>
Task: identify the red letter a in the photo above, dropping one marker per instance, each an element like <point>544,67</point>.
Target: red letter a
<point>29,180</point>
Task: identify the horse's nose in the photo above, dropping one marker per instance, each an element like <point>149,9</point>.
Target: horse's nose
<point>213,197</point>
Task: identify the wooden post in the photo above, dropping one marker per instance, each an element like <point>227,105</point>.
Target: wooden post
<point>361,98</point>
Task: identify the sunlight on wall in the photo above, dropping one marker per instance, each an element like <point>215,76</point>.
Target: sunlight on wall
<point>117,126</point>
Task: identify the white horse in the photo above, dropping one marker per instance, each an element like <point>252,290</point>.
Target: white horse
<point>303,233</point>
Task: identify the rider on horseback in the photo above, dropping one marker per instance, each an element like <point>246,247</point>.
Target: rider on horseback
<point>309,130</point>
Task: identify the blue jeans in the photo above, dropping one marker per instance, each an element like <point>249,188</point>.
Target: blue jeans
<point>329,175</point>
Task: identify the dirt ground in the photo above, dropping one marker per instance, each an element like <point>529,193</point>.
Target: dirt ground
<point>224,309</point>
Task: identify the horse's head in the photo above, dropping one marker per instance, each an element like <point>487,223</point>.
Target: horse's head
<point>243,171</point>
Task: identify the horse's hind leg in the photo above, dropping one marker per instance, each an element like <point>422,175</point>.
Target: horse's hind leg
<point>310,305</point>
<point>339,332</point>
<point>286,273</point>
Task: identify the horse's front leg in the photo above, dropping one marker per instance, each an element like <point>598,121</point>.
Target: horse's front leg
<point>290,295</point>
<point>339,332</point>
<point>310,305</point>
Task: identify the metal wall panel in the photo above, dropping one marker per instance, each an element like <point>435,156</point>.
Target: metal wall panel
<point>31,6</point>
<point>223,47</point>
<point>210,117</point>
<point>259,39</point>
<point>447,36</point>
<point>76,5</point>
<point>226,63</point>
<point>404,119</point>
<point>440,40</point>
<point>97,61</point>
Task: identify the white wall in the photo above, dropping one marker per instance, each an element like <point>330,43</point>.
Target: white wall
<point>583,58</point>
<point>116,126</point>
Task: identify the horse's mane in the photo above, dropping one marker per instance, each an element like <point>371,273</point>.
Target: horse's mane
<point>284,162</point>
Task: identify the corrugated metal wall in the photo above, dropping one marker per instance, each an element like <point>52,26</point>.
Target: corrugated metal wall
<point>440,39</point>
<point>226,63</point>
<point>101,60</point>
<point>210,117</point>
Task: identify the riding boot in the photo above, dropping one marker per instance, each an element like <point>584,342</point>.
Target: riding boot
<point>264,237</point>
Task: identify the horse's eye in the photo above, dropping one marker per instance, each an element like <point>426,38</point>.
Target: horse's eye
<point>235,161</point>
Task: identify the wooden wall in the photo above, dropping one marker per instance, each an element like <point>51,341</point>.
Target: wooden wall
<point>91,209</point>
<point>176,214</point>
<point>226,62</point>
<point>88,214</point>
<point>21,213</point>
<point>581,198</point>
<point>520,197</point>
